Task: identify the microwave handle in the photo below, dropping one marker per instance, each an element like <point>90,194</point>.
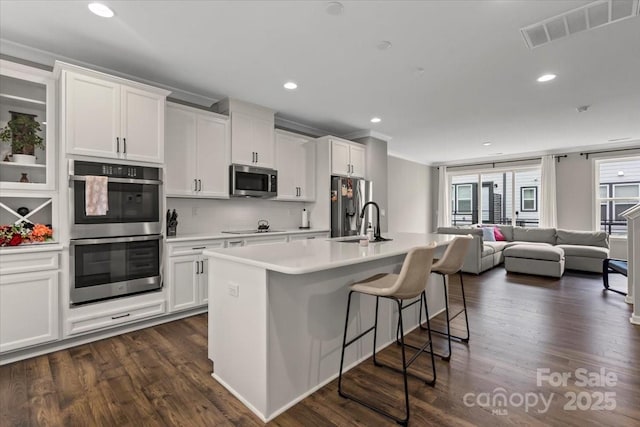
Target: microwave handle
<point>120,180</point>
<point>82,242</point>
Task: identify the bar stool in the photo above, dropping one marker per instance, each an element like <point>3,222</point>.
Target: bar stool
<point>410,283</point>
<point>451,263</point>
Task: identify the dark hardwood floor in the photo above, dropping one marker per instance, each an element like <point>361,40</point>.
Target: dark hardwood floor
<point>519,324</point>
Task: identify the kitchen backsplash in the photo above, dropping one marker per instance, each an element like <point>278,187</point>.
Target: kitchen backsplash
<point>211,215</point>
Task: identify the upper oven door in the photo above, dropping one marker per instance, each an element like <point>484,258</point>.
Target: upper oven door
<point>133,208</point>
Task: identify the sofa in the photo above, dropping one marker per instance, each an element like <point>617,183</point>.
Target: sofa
<point>556,250</point>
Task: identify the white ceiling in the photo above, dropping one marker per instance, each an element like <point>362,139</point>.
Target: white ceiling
<point>478,82</point>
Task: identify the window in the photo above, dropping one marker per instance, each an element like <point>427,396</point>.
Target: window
<point>496,197</point>
<point>529,199</point>
<point>618,190</point>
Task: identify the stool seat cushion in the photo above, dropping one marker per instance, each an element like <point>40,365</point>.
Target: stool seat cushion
<point>379,285</point>
<point>548,253</point>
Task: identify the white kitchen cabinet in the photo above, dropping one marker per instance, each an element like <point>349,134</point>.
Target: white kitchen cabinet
<point>347,158</point>
<point>29,299</point>
<point>109,117</point>
<point>295,163</point>
<point>188,274</point>
<point>252,133</point>
<point>197,147</point>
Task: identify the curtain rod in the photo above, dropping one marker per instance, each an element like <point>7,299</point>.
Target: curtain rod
<point>586,153</point>
<point>493,164</point>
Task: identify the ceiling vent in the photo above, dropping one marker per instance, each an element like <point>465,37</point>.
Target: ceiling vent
<point>592,15</point>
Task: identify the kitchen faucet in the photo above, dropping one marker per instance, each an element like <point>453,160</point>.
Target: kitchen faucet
<point>376,232</point>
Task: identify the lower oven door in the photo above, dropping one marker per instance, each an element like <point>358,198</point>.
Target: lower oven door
<point>105,268</point>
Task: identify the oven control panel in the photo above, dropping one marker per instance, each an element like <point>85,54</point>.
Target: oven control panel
<point>112,170</point>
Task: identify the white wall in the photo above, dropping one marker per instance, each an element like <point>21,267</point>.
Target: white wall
<point>211,215</point>
<point>408,196</point>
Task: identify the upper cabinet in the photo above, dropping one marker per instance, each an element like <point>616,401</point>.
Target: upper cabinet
<point>197,147</point>
<point>252,133</point>
<point>295,162</point>
<point>28,123</point>
<point>109,117</point>
<point>347,158</point>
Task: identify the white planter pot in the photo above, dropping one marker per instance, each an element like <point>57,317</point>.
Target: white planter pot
<point>23,158</point>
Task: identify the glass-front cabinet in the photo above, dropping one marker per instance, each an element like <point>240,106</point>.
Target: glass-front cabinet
<point>27,127</point>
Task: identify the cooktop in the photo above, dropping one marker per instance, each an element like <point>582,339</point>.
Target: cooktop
<point>252,231</point>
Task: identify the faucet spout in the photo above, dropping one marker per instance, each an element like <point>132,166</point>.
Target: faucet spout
<point>376,232</point>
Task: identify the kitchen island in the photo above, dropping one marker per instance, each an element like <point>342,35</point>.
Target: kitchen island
<point>276,314</point>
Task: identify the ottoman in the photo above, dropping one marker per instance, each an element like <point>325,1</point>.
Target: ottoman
<point>541,260</point>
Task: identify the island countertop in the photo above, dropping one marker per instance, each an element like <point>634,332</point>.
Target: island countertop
<point>309,256</point>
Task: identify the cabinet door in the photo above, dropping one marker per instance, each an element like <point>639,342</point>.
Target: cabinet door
<point>242,150</point>
<point>287,159</point>
<point>184,289</point>
<point>263,144</point>
<point>357,156</point>
<point>142,125</point>
<point>91,116</point>
<point>204,281</point>
<point>28,309</point>
<point>340,164</point>
<point>307,172</point>
<point>181,152</point>
<point>212,161</point>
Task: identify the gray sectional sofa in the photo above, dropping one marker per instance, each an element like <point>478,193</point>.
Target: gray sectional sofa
<point>543,251</point>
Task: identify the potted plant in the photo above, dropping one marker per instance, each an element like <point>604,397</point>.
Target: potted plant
<point>22,133</point>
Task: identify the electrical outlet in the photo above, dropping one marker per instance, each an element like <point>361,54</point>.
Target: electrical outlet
<point>233,289</point>
<point>194,211</point>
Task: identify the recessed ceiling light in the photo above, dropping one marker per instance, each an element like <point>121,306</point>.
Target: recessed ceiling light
<point>384,45</point>
<point>334,8</point>
<point>376,120</point>
<point>101,10</point>
<point>486,144</point>
<point>546,78</point>
<point>290,85</point>
<point>620,173</point>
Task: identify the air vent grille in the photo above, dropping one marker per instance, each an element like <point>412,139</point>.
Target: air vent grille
<point>592,15</point>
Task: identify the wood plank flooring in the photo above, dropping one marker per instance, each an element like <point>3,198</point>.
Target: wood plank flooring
<point>160,376</point>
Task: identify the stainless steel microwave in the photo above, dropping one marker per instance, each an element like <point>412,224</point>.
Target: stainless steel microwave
<point>250,181</point>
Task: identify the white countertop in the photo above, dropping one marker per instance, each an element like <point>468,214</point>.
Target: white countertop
<point>30,248</point>
<point>212,235</point>
<point>307,256</point>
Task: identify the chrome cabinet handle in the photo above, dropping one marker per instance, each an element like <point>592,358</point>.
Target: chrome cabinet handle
<point>195,184</point>
<point>117,144</point>
<point>124,145</point>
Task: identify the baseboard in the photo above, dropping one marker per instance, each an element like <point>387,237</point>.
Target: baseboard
<point>634,319</point>
<point>628,299</point>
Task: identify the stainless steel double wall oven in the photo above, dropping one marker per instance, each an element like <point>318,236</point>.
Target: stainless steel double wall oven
<point>119,253</point>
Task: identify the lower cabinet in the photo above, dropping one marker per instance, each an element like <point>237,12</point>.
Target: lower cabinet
<point>29,298</point>
<point>28,309</point>
<point>188,275</point>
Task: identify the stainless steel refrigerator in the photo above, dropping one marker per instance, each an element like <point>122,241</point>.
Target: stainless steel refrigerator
<point>348,195</point>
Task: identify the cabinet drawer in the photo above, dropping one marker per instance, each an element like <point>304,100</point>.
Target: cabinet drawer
<point>309,236</point>
<point>251,241</point>
<point>114,317</point>
<point>193,248</point>
<point>30,262</point>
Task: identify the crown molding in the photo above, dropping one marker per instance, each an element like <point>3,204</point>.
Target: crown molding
<point>367,133</point>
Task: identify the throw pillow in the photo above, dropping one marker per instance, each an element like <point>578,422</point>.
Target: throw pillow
<point>498,235</point>
<point>488,234</point>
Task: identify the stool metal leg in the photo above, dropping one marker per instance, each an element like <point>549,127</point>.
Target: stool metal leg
<point>405,363</point>
<point>449,319</point>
